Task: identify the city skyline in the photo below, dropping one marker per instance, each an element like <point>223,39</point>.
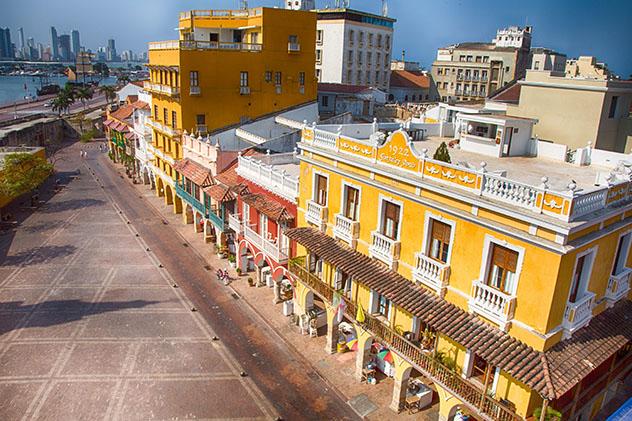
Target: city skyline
<point>420,33</point>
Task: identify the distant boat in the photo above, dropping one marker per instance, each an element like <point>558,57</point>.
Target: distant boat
<point>48,90</point>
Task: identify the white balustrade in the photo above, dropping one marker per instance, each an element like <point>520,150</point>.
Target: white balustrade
<point>589,202</point>
<point>234,222</point>
<point>510,191</point>
<point>250,137</point>
<point>384,248</point>
<point>268,247</point>
<point>162,89</point>
<point>273,179</point>
<point>288,122</point>
<point>618,285</point>
<point>431,273</point>
<point>325,139</point>
<point>316,214</point>
<point>346,229</point>
<point>579,313</point>
<point>492,303</point>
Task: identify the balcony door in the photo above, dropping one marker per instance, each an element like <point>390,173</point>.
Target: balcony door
<point>439,247</point>
<point>263,226</point>
<point>390,220</point>
<point>581,275</point>
<point>621,257</point>
<point>320,195</point>
<point>352,203</point>
<point>502,270</point>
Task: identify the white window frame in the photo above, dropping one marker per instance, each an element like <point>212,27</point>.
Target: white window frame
<point>487,246</point>
<point>246,215</point>
<point>585,282</point>
<point>381,200</point>
<point>315,186</point>
<point>427,232</point>
<point>627,252</point>
<point>343,196</point>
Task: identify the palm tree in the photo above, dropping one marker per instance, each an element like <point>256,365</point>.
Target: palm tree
<point>109,92</point>
<point>62,102</point>
<point>84,94</point>
<point>123,80</point>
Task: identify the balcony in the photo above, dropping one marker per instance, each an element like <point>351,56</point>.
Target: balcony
<point>385,249</point>
<point>268,247</point>
<point>201,129</point>
<point>217,221</point>
<point>579,313</point>
<point>273,179</point>
<point>190,199</point>
<point>163,128</point>
<point>244,90</point>
<point>431,273</point>
<point>157,88</point>
<point>194,90</point>
<point>293,47</point>
<point>346,229</point>
<point>618,286</point>
<point>204,45</point>
<point>316,214</point>
<point>492,304</point>
<point>483,405</point>
<point>234,223</point>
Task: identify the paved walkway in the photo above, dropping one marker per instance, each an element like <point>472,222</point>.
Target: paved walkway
<point>92,328</point>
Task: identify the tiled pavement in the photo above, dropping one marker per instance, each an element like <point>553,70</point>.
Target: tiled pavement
<point>91,327</point>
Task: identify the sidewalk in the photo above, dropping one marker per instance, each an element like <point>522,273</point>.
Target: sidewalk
<point>337,369</point>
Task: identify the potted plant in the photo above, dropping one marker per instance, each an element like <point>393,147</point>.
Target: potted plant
<point>238,270</point>
<point>427,339</point>
<point>232,261</point>
<point>251,282</point>
<point>223,252</point>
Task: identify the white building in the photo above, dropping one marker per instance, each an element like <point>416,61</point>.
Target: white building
<point>353,48</point>
<point>513,37</point>
<point>143,150</point>
<point>546,59</point>
<point>300,4</point>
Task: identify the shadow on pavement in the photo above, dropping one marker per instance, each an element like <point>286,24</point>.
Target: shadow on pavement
<point>37,255</point>
<point>58,312</point>
<point>72,204</point>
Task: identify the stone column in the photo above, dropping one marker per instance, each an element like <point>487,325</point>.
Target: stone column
<point>332,331</point>
<point>364,349</point>
<point>277,293</point>
<point>400,384</point>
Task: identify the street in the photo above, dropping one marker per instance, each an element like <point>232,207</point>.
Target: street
<point>105,313</point>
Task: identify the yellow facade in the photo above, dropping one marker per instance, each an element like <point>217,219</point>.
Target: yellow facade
<point>196,81</point>
<point>546,261</point>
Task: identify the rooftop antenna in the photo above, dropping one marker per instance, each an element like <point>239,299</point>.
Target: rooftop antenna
<point>384,8</point>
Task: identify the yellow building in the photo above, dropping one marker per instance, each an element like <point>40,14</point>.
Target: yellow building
<point>226,68</point>
<point>503,281</point>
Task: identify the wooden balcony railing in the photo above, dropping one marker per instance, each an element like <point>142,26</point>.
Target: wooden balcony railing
<point>471,395</point>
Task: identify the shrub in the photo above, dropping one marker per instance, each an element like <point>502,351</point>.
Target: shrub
<point>442,154</point>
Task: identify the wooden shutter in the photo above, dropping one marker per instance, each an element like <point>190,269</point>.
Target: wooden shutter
<point>504,258</point>
<point>351,204</point>
<point>391,213</point>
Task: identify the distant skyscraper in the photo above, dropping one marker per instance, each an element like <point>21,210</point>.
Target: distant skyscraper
<point>6,47</point>
<point>64,47</point>
<point>54,43</point>
<point>110,51</point>
<point>21,38</point>
<point>76,45</point>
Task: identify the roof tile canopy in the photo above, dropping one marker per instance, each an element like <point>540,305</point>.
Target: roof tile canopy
<point>194,172</point>
<point>551,373</point>
<point>269,207</point>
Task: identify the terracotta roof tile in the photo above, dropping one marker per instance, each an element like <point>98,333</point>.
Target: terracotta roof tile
<point>221,193</point>
<point>509,93</point>
<point>551,373</point>
<point>409,79</point>
<point>268,206</point>
<point>124,112</point>
<point>195,172</point>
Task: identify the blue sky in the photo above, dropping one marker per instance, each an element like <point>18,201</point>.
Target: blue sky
<point>600,28</point>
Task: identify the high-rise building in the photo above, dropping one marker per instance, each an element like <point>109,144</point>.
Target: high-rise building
<point>353,48</point>
<point>76,44</point>
<point>54,43</point>
<point>64,47</point>
<point>21,38</point>
<point>6,47</point>
<point>110,51</point>
<point>472,70</point>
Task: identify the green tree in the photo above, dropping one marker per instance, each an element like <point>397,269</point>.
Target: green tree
<point>442,154</point>
<point>102,69</point>
<point>62,102</point>
<point>22,173</point>
<point>551,414</point>
<point>123,80</point>
<point>84,94</point>
<point>109,92</point>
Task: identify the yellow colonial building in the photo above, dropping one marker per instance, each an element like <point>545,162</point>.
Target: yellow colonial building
<point>228,67</point>
<point>503,281</point>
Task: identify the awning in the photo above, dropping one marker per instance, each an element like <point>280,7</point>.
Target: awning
<point>220,193</point>
<point>129,135</point>
<point>268,206</point>
<point>195,172</point>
